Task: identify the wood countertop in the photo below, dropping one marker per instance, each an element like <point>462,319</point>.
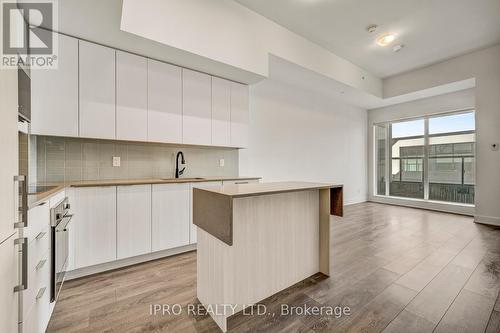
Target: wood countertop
<point>35,199</point>
<point>213,207</point>
<point>247,190</point>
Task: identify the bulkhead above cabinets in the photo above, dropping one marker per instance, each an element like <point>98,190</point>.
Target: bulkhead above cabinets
<point>102,93</point>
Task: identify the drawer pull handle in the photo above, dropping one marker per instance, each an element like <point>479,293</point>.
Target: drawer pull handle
<point>24,264</point>
<point>238,183</point>
<point>40,235</point>
<point>41,264</point>
<point>41,291</point>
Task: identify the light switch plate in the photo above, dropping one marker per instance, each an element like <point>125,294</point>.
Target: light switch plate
<point>116,161</point>
<point>221,162</point>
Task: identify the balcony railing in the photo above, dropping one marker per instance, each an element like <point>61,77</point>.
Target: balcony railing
<point>460,193</point>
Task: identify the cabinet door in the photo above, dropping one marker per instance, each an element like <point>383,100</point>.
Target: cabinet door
<point>97,91</point>
<point>239,115</point>
<point>164,102</point>
<point>192,228</point>
<point>9,277</point>
<point>131,97</point>
<point>196,108</point>
<point>170,216</point>
<point>221,112</point>
<point>9,152</point>
<point>93,227</point>
<point>54,93</point>
<point>133,226</point>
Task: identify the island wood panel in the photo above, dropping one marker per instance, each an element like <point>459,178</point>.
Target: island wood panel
<point>324,230</point>
<point>275,245</point>
<point>212,207</point>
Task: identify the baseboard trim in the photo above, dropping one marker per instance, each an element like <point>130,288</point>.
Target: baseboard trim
<point>353,201</point>
<point>490,220</point>
<point>85,271</point>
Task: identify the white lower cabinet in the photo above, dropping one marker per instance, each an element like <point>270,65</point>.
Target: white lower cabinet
<point>9,278</point>
<point>37,303</point>
<point>93,227</point>
<point>36,307</point>
<point>171,216</point>
<point>192,228</point>
<point>120,222</point>
<point>133,226</point>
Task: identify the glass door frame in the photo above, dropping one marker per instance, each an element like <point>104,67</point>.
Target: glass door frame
<point>425,164</point>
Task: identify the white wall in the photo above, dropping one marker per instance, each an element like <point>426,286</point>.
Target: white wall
<point>484,66</point>
<point>230,33</point>
<point>300,135</point>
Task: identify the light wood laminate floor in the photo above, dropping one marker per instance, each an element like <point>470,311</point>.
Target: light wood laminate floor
<point>398,270</point>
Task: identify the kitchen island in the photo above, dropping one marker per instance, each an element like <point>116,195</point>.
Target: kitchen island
<point>255,240</point>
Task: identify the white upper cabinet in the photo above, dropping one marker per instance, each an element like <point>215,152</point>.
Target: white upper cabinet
<point>170,216</point>
<point>239,115</point>
<point>133,223</point>
<point>164,102</point>
<point>221,112</point>
<point>131,97</point>
<point>196,111</point>
<point>54,93</point>
<point>97,91</point>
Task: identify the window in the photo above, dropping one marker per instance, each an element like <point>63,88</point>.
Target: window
<point>407,156</point>
<point>430,158</point>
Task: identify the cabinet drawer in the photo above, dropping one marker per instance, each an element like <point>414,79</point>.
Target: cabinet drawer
<point>37,319</point>
<point>38,279</point>
<point>38,248</point>
<point>38,220</point>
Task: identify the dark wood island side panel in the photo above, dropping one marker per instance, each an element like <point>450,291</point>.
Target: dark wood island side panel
<point>337,201</point>
<point>213,213</point>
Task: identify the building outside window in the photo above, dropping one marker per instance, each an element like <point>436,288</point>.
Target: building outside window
<point>430,158</point>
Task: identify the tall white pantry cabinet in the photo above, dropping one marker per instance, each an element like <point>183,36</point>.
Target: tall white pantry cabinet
<point>9,251</point>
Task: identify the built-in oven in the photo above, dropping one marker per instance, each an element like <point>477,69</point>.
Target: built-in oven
<point>60,219</point>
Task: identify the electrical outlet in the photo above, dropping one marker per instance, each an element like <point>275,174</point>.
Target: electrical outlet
<point>221,162</point>
<point>116,161</point>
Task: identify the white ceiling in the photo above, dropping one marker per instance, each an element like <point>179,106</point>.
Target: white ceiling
<point>431,30</point>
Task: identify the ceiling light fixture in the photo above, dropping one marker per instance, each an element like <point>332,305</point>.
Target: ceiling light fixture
<point>386,40</point>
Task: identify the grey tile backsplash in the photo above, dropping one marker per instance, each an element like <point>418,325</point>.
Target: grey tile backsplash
<point>72,159</point>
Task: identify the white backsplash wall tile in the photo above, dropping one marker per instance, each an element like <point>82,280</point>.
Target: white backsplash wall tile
<point>55,159</point>
<point>73,159</point>
<point>90,160</point>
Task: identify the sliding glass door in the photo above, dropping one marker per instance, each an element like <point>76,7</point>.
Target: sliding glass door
<point>431,158</point>
<point>452,158</point>
<point>407,159</point>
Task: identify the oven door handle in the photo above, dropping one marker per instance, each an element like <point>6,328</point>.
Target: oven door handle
<point>64,223</point>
